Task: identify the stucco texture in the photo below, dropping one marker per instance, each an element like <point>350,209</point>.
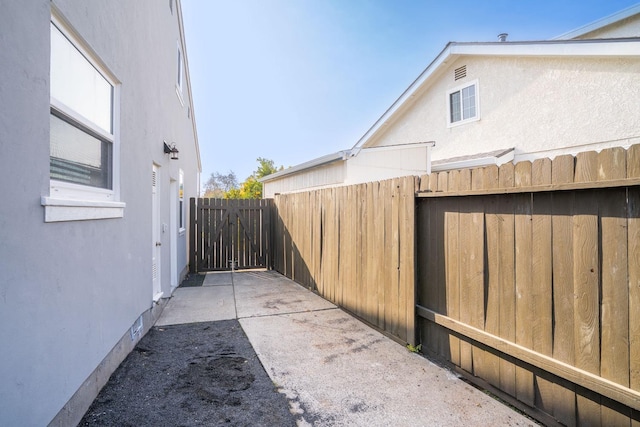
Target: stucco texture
<point>530,103</point>
<point>69,291</point>
<point>629,27</point>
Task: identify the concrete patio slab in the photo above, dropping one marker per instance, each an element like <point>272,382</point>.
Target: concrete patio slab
<point>199,304</point>
<point>217,279</point>
<point>337,371</point>
<point>268,293</point>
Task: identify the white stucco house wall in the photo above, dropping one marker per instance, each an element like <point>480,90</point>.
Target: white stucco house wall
<point>496,102</point>
<point>93,218</point>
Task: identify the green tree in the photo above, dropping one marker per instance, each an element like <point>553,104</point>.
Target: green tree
<point>251,188</point>
<point>265,167</point>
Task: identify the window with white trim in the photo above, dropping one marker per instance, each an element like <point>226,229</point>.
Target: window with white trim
<point>180,73</point>
<point>83,143</point>
<point>181,206</point>
<point>462,104</point>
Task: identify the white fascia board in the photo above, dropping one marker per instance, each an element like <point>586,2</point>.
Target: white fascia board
<point>600,23</point>
<point>473,163</point>
<point>320,161</point>
<point>573,48</point>
<point>187,77</point>
<point>355,152</point>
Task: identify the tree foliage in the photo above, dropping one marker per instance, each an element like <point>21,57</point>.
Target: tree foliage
<point>227,187</point>
<point>265,167</point>
<point>251,188</point>
<point>218,185</point>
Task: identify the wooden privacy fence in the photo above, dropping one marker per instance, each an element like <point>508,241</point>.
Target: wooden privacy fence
<point>529,278</point>
<point>225,231</point>
<point>354,246</point>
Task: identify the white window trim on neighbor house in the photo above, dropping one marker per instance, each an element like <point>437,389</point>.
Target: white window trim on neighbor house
<point>476,105</point>
<point>69,201</point>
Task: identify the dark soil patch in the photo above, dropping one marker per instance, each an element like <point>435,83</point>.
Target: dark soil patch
<point>192,280</point>
<point>201,374</point>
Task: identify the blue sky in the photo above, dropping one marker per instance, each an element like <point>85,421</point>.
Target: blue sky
<point>292,80</point>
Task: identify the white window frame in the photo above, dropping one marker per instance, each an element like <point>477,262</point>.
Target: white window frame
<point>477,104</point>
<point>182,220</point>
<point>180,74</point>
<point>73,202</point>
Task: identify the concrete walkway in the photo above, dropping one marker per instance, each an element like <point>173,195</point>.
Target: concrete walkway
<point>335,370</point>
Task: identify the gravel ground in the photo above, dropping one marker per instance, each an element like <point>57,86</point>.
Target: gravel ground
<point>200,374</point>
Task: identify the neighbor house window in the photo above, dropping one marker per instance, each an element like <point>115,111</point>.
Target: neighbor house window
<point>83,148</point>
<point>181,206</point>
<point>462,103</point>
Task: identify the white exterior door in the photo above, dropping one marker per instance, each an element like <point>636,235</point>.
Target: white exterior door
<point>155,233</point>
<point>173,229</point>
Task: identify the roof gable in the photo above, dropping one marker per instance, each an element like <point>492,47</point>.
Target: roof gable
<point>600,24</point>
<point>549,48</point>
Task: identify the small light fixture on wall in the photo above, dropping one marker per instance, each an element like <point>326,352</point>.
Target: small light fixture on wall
<point>171,150</point>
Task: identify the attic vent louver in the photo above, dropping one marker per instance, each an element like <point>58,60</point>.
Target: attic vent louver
<point>460,73</point>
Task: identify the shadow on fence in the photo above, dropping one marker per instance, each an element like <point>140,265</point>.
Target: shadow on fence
<point>529,280</point>
<point>525,277</point>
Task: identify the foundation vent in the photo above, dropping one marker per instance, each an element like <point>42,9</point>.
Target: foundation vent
<point>460,73</point>
<point>136,329</point>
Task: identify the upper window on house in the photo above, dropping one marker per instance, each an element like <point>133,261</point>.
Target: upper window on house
<point>82,136</point>
<point>180,74</point>
<point>462,103</point>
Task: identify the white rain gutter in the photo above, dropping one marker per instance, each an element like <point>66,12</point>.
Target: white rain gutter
<point>320,161</point>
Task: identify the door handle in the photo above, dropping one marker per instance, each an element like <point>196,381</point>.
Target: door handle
<point>158,243</point>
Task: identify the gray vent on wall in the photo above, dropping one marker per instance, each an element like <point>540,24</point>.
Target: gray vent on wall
<point>460,73</point>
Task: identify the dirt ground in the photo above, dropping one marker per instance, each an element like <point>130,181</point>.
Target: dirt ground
<point>201,374</point>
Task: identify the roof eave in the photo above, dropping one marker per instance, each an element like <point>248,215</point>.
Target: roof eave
<point>320,161</point>
<point>571,48</point>
<point>407,94</point>
<point>188,81</point>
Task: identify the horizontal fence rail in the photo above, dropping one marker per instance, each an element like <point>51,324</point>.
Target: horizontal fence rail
<point>529,278</point>
<point>355,246</point>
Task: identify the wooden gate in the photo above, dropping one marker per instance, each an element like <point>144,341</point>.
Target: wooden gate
<point>226,233</point>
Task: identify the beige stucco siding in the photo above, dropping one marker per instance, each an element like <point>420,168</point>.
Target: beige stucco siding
<point>533,104</point>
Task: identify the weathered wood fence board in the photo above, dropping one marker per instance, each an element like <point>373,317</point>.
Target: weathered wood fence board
<point>529,278</point>
<point>225,231</point>
<point>355,246</point>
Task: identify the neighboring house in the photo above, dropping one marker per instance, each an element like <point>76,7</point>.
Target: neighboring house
<point>491,103</point>
<point>94,212</point>
<point>351,167</point>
